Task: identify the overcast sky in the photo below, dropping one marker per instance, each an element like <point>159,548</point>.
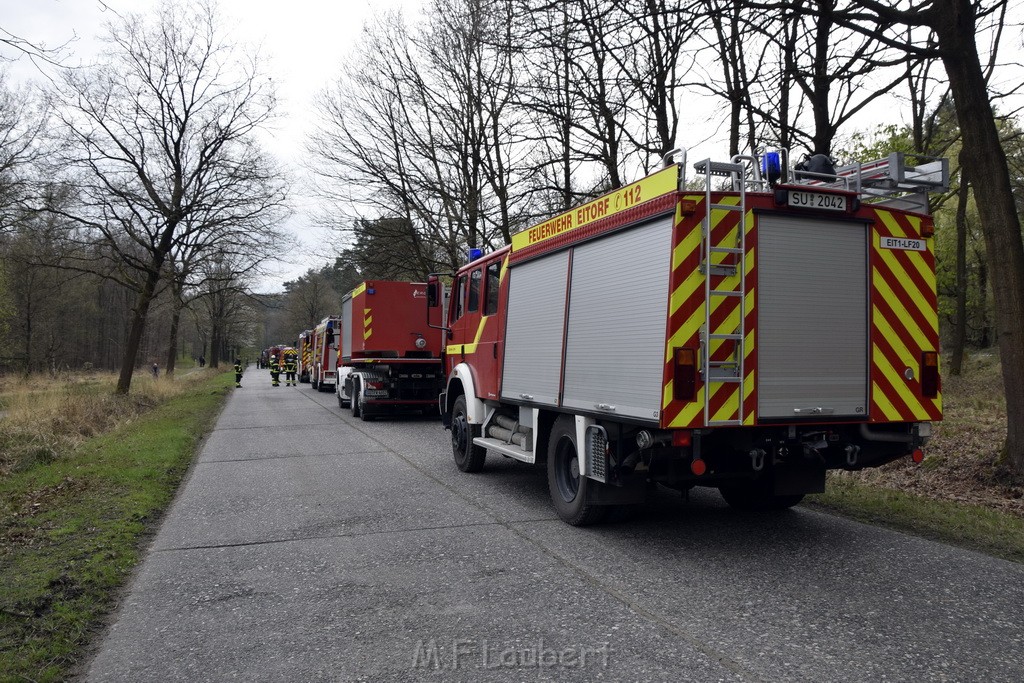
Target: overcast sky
<point>304,41</point>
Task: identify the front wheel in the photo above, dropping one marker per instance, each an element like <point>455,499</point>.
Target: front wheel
<point>570,492</point>
<point>468,456</point>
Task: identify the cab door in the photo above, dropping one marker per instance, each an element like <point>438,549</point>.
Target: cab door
<point>475,320</point>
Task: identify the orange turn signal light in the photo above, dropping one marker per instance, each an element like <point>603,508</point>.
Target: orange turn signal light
<point>929,374</point>
<point>684,375</point>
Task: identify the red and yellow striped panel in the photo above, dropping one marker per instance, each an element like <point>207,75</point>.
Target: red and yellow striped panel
<point>686,314</point>
<point>904,321</point>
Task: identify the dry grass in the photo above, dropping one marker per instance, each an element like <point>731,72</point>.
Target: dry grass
<point>961,461</point>
<point>43,417</point>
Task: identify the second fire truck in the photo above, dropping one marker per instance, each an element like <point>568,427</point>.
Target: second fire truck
<point>747,337</point>
<point>390,358</point>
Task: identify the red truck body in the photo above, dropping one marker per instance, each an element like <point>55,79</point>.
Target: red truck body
<point>390,359</point>
<point>324,367</point>
<point>749,338</point>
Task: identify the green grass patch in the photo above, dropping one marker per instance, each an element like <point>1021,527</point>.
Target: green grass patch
<point>71,529</point>
<point>969,526</point>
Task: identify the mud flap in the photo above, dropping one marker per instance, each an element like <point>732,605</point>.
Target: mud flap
<point>607,494</point>
<point>799,478</point>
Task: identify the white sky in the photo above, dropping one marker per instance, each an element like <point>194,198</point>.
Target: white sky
<point>304,42</point>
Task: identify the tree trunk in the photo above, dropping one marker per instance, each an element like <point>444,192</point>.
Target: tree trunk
<point>960,319</point>
<point>172,336</point>
<point>985,162</point>
<point>138,326</point>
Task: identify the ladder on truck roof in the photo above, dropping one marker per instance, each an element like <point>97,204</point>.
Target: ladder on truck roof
<point>720,373</point>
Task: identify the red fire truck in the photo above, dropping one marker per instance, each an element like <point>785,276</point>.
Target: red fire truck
<point>324,365</point>
<point>305,350</point>
<point>390,359</point>
<point>747,337</point>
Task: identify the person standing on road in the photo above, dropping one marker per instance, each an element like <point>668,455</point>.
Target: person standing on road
<point>238,373</point>
<point>290,363</point>
<point>275,372</point>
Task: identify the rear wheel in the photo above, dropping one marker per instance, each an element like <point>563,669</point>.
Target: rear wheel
<point>468,456</point>
<point>756,495</point>
<point>571,492</point>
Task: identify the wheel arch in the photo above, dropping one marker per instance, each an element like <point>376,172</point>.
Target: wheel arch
<point>461,382</point>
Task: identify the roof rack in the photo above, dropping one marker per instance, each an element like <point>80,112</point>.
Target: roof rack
<point>892,175</point>
<point>891,181</point>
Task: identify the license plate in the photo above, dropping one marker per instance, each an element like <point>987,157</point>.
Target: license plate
<point>375,393</point>
<point>802,199</point>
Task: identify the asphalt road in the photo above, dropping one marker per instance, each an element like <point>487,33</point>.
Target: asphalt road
<point>306,545</point>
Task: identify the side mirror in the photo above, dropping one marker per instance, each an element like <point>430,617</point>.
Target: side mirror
<point>435,301</point>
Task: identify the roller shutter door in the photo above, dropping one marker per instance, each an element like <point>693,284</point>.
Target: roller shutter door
<point>625,278</point>
<point>534,329</point>
<point>812,318</point>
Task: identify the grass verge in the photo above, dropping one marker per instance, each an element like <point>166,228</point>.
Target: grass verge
<point>70,529</point>
<point>975,527</point>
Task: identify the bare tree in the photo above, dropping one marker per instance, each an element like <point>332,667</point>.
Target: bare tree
<point>955,25</point>
<point>22,119</point>
<point>417,131</point>
<point>158,136</point>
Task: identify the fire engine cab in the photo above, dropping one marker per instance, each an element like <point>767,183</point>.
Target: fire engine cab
<point>748,336</point>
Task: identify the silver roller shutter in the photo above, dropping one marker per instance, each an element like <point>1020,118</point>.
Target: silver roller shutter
<point>812,318</point>
<point>534,327</point>
<point>623,277</point>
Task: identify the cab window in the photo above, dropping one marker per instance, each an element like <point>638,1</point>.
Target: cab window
<point>493,281</point>
<point>458,298</point>
<point>473,301</point>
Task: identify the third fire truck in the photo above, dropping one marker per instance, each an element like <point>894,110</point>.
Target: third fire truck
<point>324,364</point>
<point>748,337</point>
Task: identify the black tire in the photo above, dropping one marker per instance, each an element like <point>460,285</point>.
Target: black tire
<point>364,414</point>
<point>354,402</point>
<point>756,496</point>
<point>468,456</point>
<point>570,492</point>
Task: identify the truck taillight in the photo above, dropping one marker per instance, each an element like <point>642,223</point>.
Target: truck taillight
<point>684,378</point>
<point>374,385</point>
<point>682,437</point>
<point>929,374</point>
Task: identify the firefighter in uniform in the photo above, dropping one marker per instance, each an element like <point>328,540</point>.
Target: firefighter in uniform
<point>290,362</point>
<point>275,372</point>
<point>238,373</point>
